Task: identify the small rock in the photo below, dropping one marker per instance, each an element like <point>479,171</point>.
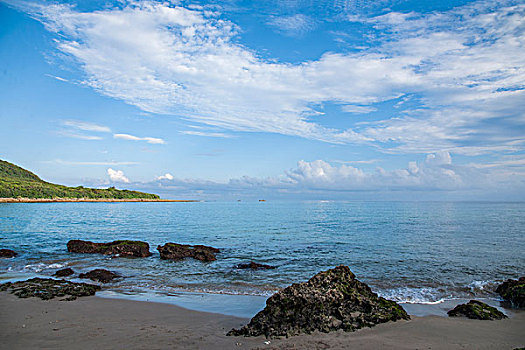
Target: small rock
<point>513,291</point>
<point>175,251</point>
<point>255,266</point>
<point>477,310</point>
<point>118,248</point>
<point>48,288</point>
<point>100,275</point>
<point>7,253</point>
<point>64,272</point>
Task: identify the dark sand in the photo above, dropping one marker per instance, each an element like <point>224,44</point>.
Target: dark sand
<point>100,323</point>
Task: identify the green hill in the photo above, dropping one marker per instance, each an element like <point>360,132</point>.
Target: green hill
<point>17,182</point>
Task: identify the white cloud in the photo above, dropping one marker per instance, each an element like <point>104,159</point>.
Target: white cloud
<point>85,126</point>
<point>466,67</point>
<point>152,140</point>
<point>79,136</point>
<point>358,109</point>
<point>295,25</point>
<point>66,162</point>
<point>166,176</point>
<point>117,176</point>
<point>206,134</point>
<point>57,78</point>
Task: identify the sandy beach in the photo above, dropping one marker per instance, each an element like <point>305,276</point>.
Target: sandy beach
<point>101,323</point>
<point>82,200</point>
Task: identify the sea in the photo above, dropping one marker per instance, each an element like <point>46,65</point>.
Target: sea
<point>410,252</point>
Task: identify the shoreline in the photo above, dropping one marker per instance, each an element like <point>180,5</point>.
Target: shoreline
<point>98,322</point>
<point>88,200</point>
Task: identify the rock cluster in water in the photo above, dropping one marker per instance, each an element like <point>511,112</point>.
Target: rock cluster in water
<point>254,266</point>
<point>121,248</point>
<point>175,251</point>
<point>513,291</point>
<point>7,253</point>
<point>100,275</point>
<point>329,301</point>
<point>477,310</point>
<point>64,272</point>
<point>48,288</point>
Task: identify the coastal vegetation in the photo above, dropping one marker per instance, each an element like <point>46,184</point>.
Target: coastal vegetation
<point>17,182</point>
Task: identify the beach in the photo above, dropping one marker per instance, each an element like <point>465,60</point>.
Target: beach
<point>88,200</point>
<point>102,323</point>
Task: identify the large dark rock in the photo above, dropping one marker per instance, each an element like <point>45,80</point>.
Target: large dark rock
<point>100,275</point>
<point>48,288</point>
<point>329,301</point>
<point>64,272</point>
<point>175,251</point>
<point>477,310</point>
<point>513,291</point>
<point>254,266</point>
<point>121,248</point>
<point>7,253</point>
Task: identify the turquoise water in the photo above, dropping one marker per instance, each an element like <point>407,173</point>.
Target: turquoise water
<point>420,252</point>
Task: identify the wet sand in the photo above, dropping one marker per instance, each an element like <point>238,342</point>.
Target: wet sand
<point>101,323</point>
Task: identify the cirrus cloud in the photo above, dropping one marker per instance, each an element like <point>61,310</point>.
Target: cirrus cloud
<point>465,67</point>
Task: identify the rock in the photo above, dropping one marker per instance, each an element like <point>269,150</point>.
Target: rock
<point>175,251</point>
<point>254,266</point>
<point>513,291</point>
<point>64,272</point>
<point>7,253</point>
<point>48,288</point>
<point>477,310</point>
<point>100,275</point>
<point>120,248</point>
<point>329,301</point>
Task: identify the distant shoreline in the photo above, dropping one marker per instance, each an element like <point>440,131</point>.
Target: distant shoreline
<point>81,200</point>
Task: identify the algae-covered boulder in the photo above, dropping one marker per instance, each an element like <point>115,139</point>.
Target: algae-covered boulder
<point>121,248</point>
<point>329,301</point>
<point>255,266</point>
<point>48,288</point>
<point>477,310</point>
<point>100,275</point>
<point>175,251</point>
<point>7,253</point>
<point>64,272</point>
<point>513,291</point>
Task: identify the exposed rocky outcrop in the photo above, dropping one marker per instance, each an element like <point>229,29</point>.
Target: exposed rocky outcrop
<point>476,310</point>
<point>513,291</point>
<point>175,251</point>
<point>121,248</point>
<point>64,272</point>
<point>100,275</point>
<point>254,266</point>
<point>7,253</point>
<point>329,301</point>
<point>48,288</point>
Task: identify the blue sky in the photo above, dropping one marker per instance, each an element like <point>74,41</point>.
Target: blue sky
<point>392,99</point>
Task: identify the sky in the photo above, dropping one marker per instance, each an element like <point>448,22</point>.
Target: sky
<point>289,99</point>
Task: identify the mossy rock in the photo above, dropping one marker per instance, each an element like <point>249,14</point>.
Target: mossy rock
<point>48,288</point>
<point>476,310</point>
<point>329,301</point>
<point>176,251</point>
<point>124,248</point>
<point>513,292</point>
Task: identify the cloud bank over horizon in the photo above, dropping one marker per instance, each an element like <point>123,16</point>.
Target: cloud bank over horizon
<point>436,174</point>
